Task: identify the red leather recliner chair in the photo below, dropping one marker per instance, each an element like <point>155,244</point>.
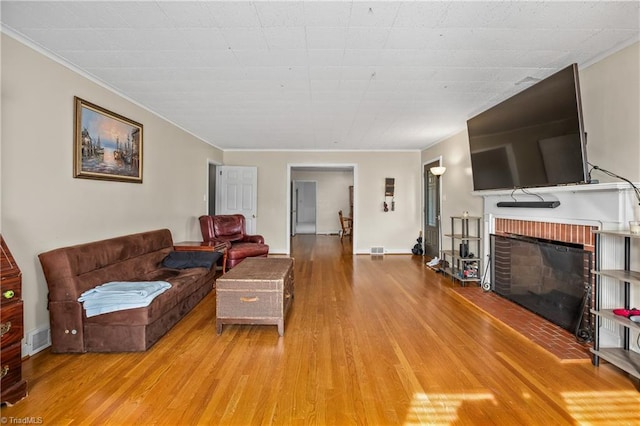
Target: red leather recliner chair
<point>230,229</point>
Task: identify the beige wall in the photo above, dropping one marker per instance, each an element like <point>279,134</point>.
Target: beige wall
<point>611,110</point>
<point>456,182</point>
<point>44,207</point>
<point>396,231</point>
<point>332,194</point>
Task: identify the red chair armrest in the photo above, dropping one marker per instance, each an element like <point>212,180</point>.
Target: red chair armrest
<point>259,239</point>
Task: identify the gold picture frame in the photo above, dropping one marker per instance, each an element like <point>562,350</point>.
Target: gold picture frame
<point>106,145</point>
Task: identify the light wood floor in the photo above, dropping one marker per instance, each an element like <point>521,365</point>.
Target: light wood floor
<point>368,341</point>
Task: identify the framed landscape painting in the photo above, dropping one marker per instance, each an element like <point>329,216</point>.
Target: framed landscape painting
<point>106,145</point>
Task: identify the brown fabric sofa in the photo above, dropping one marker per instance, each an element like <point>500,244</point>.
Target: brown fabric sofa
<point>70,271</point>
<point>231,229</point>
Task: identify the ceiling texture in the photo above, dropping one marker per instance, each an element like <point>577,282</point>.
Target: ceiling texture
<point>321,75</point>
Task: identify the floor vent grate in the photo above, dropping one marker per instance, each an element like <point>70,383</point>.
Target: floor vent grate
<point>377,251</point>
<point>38,340</point>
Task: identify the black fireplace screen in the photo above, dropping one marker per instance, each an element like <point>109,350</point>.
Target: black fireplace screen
<point>549,278</point>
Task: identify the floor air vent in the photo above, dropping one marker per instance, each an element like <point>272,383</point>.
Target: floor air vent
<point>377,251</point>
<point>38,339</point>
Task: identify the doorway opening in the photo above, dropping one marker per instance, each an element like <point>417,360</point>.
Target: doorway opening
<point>432,207</point>
<point>211,187</point>
<point>335,190</point>
<point>304,205</point>
<point>233,190</point>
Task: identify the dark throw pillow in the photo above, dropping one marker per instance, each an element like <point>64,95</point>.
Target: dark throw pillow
<point>191,259</point>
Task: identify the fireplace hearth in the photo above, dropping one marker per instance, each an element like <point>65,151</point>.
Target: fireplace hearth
<point>549,278</point>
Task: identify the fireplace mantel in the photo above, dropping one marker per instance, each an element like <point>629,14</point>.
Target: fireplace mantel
<point>611,186</point>
<point>604,206</point>
<point>608,206</point>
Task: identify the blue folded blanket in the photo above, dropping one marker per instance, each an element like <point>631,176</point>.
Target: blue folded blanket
<point>120,295</point>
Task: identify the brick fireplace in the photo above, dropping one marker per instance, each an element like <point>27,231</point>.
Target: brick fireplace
<point>565,232</point>
<point>548,277</point>
<point>582,208</point>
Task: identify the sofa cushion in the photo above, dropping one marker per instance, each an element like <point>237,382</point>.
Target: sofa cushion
<point>191,259</point>
<point>121,295</point>
<point>229,227</point>
<point>183,284</point>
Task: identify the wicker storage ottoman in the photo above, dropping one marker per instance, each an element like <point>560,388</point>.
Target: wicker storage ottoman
<point>259,290</point>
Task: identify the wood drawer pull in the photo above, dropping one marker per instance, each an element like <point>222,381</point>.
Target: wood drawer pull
<point>5,371</point>
<point>8,294</point>
<point>4,328</point>
<point>249,299</point>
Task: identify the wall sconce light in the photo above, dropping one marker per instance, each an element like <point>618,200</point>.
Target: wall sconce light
<point>438,171</point>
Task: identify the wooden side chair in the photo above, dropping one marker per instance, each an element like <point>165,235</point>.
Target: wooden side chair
<point>347,225</point>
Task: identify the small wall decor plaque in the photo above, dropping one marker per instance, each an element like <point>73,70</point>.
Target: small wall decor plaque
<point>389,187</point>
<point>106,145</point>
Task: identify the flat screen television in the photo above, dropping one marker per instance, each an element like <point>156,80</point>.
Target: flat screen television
<point>535,138</point>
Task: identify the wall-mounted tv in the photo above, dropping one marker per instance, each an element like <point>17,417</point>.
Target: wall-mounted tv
<point>535,138</point>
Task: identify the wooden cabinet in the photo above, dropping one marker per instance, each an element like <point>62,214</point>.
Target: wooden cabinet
<point>464,261</point>
<point>14,388</point>
<point>622,357</point>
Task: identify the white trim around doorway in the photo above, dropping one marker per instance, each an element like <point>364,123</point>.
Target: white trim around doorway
<point>323,166</point>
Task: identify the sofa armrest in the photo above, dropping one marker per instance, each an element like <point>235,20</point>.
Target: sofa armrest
<point>67,327</point>
<point>220,241</point>
<point>258,239</point>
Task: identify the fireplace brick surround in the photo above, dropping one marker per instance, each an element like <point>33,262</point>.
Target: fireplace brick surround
<point>567,233</point>
<point>546,334</point>
<point>582,209</point>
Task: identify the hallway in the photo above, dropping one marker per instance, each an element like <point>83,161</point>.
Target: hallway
<point>305,228</point>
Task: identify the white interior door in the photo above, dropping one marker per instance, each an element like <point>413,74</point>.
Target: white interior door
<point>305,207</point>
<point>237,192</point>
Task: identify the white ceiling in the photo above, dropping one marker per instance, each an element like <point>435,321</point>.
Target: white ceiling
<point>319,74</point>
